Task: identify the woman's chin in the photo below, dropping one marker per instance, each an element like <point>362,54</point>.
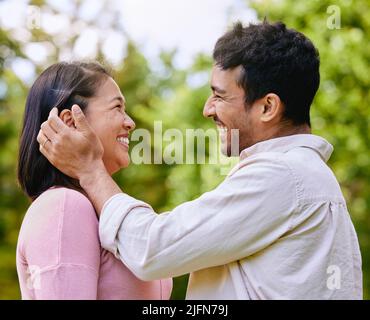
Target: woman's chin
<point>114,168</point>
<point>125,165</point>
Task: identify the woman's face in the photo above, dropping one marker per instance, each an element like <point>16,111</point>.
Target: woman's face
<point>107,117</point>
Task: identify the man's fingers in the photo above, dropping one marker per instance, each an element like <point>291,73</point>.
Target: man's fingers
<point>48,131</point>
<point>55,122</point>
<point>80,119</point>
<point>44,142</point>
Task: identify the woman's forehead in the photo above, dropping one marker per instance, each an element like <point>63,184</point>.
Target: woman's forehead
<point>109,91</point>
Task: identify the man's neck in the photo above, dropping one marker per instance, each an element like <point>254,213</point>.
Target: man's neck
<point>290,130</point>
<point>283,131</point>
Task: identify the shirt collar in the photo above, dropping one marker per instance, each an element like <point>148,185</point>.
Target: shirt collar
<point>286,143</point>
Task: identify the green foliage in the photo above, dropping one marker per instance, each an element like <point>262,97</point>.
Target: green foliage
<point>340,113</point>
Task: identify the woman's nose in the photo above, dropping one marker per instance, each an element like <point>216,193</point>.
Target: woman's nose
<point>129,123</point>
<point>209,109</point>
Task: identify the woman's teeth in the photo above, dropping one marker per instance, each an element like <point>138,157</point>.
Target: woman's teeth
<point>123,140</point>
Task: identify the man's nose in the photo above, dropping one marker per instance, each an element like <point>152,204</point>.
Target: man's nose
<point>209,109</point>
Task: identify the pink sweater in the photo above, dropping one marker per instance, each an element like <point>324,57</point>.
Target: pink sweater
<point>59,255</point>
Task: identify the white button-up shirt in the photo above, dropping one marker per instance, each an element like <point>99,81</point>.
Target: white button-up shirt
<point>276,228</point>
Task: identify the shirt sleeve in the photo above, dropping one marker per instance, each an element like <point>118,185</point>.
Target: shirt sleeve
<point>246,213</point>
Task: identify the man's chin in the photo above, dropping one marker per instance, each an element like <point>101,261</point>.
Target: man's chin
<point>225,150</point>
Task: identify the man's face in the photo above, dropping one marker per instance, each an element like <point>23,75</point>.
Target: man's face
<point>226,106</point>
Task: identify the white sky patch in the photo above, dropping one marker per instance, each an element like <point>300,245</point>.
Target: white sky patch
<point>190,26</point>
<point>90,10</point>
<point>114,47</point>
<point>38,51</point>
<point>12,13</point>
<point>198,79</point>
<point>62,6</point>
<point>86,45</point>
<point>24,69</point>
<point>54,23</point>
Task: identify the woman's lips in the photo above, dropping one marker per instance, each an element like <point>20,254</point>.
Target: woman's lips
<point>124,141</point>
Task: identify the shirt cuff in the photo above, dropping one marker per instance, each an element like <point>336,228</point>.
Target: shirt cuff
<point>114,211</point>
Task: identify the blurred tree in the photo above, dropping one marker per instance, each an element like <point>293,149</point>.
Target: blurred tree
<point>176,98</point>
<point>12,201</point>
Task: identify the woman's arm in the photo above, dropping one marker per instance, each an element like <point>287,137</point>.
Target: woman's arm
<point>67,282</point>
<point>70,253</point>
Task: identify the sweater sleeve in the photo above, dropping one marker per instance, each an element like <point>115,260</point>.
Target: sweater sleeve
<point>71,259</point>
<point>67,282</point>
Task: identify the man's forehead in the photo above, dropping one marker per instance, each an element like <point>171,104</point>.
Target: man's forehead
<point>223,79</point>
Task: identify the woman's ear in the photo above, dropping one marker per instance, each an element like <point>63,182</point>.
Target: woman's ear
<point>66,116</point>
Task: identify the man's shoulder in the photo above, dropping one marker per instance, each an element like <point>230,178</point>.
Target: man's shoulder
<point>267,170</point>
<point>263,163</point>
<point>296,160</point>
<point>300,168</point>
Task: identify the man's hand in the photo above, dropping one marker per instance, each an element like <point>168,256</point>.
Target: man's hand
<point>75,151</point>
<point>78,153</point>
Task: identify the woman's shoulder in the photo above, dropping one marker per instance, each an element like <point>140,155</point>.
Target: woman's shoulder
<point>62,193</point>
<point>61,226</point>
<point>66,199</point>
<point>63,204</point>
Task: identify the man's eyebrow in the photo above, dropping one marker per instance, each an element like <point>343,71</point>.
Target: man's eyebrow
<point>122,100</point>
<point>217,89</point>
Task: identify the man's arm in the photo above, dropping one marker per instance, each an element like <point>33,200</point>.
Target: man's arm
<point>245,214</point>
<point>99,186</point>
<point>78,153</point>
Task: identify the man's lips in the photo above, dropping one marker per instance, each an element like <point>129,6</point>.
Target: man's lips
<point>220,125</point>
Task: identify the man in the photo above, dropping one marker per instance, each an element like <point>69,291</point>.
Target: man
<point>278,226</point>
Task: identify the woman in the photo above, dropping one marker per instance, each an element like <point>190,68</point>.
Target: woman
<point>59,254</point>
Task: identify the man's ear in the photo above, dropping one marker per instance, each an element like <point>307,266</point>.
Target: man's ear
<point>66,116</point>
<point>272,107</point>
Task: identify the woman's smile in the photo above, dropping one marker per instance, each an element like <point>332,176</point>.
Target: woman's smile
<point>123,140</point>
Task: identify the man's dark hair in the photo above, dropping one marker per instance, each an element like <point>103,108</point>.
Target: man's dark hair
<point>61,85</point>
<point>274,59</point>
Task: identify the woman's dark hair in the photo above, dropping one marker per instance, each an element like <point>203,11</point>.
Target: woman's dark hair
<point>61,85</point>
<point>274,59</point>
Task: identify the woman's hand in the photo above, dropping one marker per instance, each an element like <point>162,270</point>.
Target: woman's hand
<point>77,152</point>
